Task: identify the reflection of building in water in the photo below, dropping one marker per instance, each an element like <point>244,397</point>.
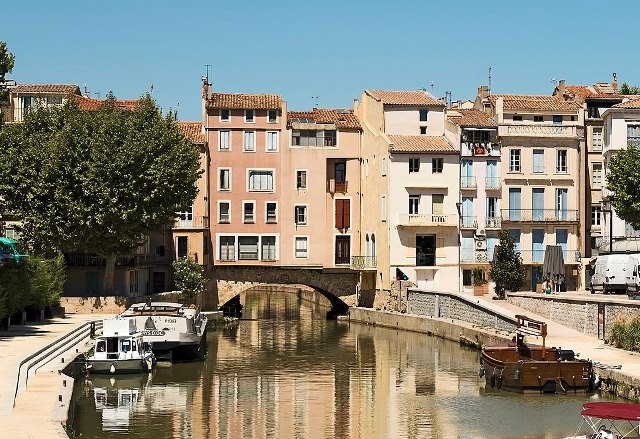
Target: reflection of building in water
<point>116,405</point>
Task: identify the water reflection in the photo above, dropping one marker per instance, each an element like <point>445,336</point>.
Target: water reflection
<point>292,374</point>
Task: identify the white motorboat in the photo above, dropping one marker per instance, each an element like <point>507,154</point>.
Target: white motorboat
<point>175,331</point>
<point>609,420</point>
<point>120,349</point>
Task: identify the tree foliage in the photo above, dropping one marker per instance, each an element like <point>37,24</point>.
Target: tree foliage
<point>506,269</point>
<point>623,184</point>
<point>188,278</point>
<point>99,181</point>
<point>627,89</point>
<point>7,60</point>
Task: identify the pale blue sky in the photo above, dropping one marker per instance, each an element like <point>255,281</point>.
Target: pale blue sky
<point>330,49</point>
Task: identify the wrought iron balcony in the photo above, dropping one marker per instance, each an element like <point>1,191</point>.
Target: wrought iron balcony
<point>468,182</point>
<point>476,256</point>
<point>469,222</point>
<point>364,262</point>
<point>406,219</point>
<point>492,183</point>
<point>493,222</point>
<point>540,215</point>
<point>194,222</point>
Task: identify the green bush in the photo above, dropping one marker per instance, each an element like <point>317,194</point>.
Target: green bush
<point>625,334</point>
<point>188,278</point>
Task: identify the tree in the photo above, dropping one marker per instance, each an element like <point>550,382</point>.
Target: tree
<point>623,184</point>
<point>506,269</point>
<point>98,181</point>
<point>188,278</point>
<point>7,59</point>
<point>627,89</point>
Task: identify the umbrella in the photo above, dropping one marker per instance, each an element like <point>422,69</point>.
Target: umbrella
<point>553,266</point>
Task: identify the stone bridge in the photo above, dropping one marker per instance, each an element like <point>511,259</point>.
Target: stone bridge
<point>226,282</point>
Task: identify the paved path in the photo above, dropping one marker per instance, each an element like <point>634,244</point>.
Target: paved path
<point>37,412</point>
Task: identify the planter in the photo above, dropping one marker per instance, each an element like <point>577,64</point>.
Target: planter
<point>480,290</point>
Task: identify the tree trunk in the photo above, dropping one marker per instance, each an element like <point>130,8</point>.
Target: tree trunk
<point>109,274</point>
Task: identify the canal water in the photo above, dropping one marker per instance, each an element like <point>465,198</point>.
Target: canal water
<point>287,372</point>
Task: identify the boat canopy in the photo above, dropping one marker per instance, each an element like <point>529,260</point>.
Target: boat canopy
<point>617,411</point>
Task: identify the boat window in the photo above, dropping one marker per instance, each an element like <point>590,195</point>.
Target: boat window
<point>101,346</point>
<point>126,345</point>
<point>133,346</point>
<point>112,344</point>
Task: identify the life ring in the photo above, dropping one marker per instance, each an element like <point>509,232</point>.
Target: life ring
<point>492,381</point>
<point>498,380</point>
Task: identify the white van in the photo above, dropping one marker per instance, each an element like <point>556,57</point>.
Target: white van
<point>611,272</point>
<point>633,275</point>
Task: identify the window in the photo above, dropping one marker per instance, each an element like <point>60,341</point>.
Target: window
<point>272,116</point>
<point>517,118</point>
<point>538,119</point>
<point>596,215</point>
<point>414,204</point>
<point>384,166</point>
<point>301,180</point>
<point>596,176</point>
<point>224,212</point>
<point>301,215</point>
<point>182,246</point>
<point>538,160</point>
<point>225,115</point>
<point>557,119</point>
<point>249,142</point>
<point>224,182</point>
<point>313,138</point>
<point>561,161</point>
<point>272,212</point>
<point>272,140</point>
<point>425,250</point>
<point>268,248</point>
<point>343,214</point>
<point>302,247</point>
<point>414,165</point>
<point>514,160</point>
<point>437,202</point>
<point>248,247</point>
<point>423,130</point>
<point>437,165</point>
<point>225,140</point>
<point>54,101</point>
<point>227,248</point>
<point>343,250</point>
<point>260,181</point>
<point>596,139</point>
<point>383,208</point>
<point>633,135</point>
<point>249,116</point>
<point>186,217</point>
<point>423,115</point>
<point>248,209</point>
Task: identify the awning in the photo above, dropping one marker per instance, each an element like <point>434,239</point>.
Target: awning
<point>553,261</point>
<point>617,411</point>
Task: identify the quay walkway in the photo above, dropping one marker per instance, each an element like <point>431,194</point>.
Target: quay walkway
<point>43,394</point>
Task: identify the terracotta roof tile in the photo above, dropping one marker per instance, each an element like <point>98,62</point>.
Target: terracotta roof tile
<point>596,91</point>
<point>244,101</point>
<point>470,118</point>
<point>90,104</point>
<point>632,104</point>
<point>46,88</point>
<point>413,98</point>
<point>420,144</point>
<point>345,119</point>
<point>580,90</point>
<point>535,102</point>
<point>193,131</point>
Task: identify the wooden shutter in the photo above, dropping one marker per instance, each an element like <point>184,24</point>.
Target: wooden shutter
<point>346,213</point>
<point>339,214</point>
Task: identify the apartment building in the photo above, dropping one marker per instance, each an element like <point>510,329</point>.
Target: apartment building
<point>23,97</point>
<point>540,141</point>
<point>410,184</point>
<point>474,134</point>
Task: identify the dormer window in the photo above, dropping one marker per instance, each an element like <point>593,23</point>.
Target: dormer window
<point>249,116</point>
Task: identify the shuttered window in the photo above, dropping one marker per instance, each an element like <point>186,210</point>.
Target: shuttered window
<point>343,214</point>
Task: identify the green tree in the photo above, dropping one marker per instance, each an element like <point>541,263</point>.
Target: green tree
<point>188,278</point>
<point>506,269</point>
<point>7,59</point>
<point>627,89</point>
<point>96,181</point>
<point>623,184</point>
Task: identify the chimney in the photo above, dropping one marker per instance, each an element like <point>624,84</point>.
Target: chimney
<point>483,92</point>
<point>205,88</point>
<point>561,88</point>
<point>614,84</point>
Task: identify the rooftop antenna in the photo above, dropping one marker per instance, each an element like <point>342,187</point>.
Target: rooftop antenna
<point>489,80</point>
<point>316,99</point>
<point>447,98</point>
<point>432,84</point>
<point>97,93</point>
<point>86,90</point>
<point>207,67</point>
<point>554,81</point>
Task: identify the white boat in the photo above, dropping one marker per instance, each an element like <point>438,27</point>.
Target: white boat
<point>609,420</point>
<point>120,349</point>
<point>175,331</point>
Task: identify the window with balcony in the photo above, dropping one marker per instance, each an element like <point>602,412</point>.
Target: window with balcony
<point>414,165</point>
<point>224,212</point>
<point>272,212</point>
<point>301,247</point>
<point>424,114</point>
<point>301,179</point>
<point>425,250</point>
<point>260,181</point>
<point>225,115</point>
<point>596,214</point>
<point>414,204</point>
<point>300,215</point>
<point>224,179</point>
<point>268,248</point>
<point>340,173</point>
<point>224,143</point>
<point>227,248</point>
<point>249,141</point>
<point>514,160</point>
<point>248,247</point>
<point>272,116</point>
<point>492,219</point>
<point>596,139</point>
<point>185,218</point>
<point>596,175</point>
<point>343,214</point>
<point>313,138</point>
<point>437,165</point>
<point>249,116</point>
<point>633,135</point>
<point>249,212</point>
<point>538,160</point>
<point>272,141</point>
<point>561,161</point>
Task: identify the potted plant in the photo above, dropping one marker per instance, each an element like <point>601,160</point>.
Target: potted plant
<point>480,284</point>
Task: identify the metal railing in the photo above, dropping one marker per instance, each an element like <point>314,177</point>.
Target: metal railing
<point>195,222</point>
<point>492,183</point>
<point>468,182</point>
<point>493,222</point>
<point>364,262</point>
<point>469,222</point>
<point>540,215</point>
<point>537,130</point>
<point>407,219</point>
<point>480,256</point>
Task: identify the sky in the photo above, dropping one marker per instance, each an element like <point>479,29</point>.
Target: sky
<point>318,53</point>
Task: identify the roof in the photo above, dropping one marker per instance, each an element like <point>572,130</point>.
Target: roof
<point>420,144</point>
<point>193,131</point>
<point>470,118</point>
<point>404,97</point>
<point>244,101</point>
<point>600,90</point>
<point>345,119</point>
<point>535,102</point>
<point>633,104</point>
<point>46,88</point>
<point>91,104</point>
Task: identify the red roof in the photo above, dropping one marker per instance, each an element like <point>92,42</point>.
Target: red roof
<point>617,411</point>
<point>193,131</point>
<point>90,104</point>
<point>244,101</point>
<point>46,88</point>
<point>425,144</point>
<point>410,98</point>
<point>470,118</point>
<point>345,119</point>
<point>535,102</point>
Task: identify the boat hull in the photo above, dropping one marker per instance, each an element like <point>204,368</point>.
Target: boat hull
<point>526,371</point>
<point>117,367</point>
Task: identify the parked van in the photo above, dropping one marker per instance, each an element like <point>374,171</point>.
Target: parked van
<point>611,273</point>
<point>14,247</point>
<point>633,275</point>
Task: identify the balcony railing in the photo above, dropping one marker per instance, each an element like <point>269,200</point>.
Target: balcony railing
<point>364,262</point>
<point>196,222</point>
<point>407,219</point>
<point>469,222</point>
<point>334,186</point>
<point>476,256</point>
<point>537,256</point>
<point>492,183</point>
<point>468,182</point>
<point>537,130</point>
<point>539,215</point>
<point>493,222</point>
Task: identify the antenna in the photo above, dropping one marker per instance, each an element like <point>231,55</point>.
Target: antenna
<point>447,98</point>
<point>489,79</point>
<point>316,99</point>
<point>432,84</point>
<point>207,67</point>
<point>97,93</point>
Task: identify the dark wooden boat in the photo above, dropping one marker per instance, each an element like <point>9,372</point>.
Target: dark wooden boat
<point>527,368</point>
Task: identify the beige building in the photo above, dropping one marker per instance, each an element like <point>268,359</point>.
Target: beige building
<point>23,97</point>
